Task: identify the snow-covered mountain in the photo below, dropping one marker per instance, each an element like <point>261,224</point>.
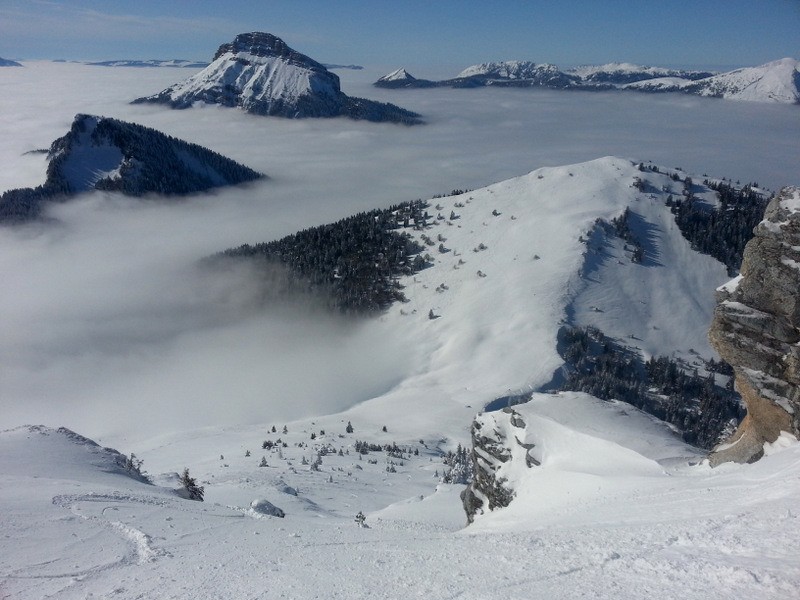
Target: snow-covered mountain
<point>100,153</point>
<point>512,69</point>
<point>777,81</point>
<point>520,73</point>
<point>259,73</point>
<point>622,73</point>
<point>400,78</point>
<point>4,62</point>
<point>524,260</point>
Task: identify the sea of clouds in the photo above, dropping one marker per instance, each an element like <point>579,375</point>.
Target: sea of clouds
<point>106,320</point>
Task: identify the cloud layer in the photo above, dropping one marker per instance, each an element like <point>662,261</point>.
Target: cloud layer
<point>106,317</point>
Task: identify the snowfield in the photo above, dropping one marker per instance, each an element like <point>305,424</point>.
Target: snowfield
<point>110,330</point>
<point>599,519</point>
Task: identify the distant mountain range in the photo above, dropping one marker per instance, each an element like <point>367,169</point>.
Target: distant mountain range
<point>99,153</point>
<point>175,62</point>
<point>777,81</point>
<point>351,67</point>
<point>4,62</point>
<point>260,74</point>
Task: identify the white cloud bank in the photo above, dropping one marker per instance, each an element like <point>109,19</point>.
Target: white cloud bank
<point>105,319</point>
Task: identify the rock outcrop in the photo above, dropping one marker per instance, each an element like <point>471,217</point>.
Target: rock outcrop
<point>495,443</point>
<point>756,328</point>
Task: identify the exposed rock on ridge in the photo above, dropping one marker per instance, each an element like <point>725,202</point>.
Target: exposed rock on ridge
<point>495,441</point>
<point>756,328</point>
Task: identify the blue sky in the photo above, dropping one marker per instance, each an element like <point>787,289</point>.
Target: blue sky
<point>703,33</point>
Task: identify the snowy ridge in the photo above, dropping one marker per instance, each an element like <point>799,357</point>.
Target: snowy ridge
<point>100,153</point>
<point>511,69</point>
<point>621,73</point>
<point>777,81</point>
<point>541,267</point>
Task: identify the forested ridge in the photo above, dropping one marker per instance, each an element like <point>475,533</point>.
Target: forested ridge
<point>152,162</point>
<point>356,261</point>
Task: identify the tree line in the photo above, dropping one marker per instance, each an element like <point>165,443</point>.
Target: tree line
<point>703,411</point>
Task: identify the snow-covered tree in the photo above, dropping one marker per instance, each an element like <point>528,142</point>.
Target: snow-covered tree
<point>189,483</point>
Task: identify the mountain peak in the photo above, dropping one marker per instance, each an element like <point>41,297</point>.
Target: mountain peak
<point>266,45</point>
<point>398,75</point>
<point>259,73</point>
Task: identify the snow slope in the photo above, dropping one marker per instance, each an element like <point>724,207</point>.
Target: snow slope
<point>776,81</point>
<point>616,510</point>
<point>541,267</point>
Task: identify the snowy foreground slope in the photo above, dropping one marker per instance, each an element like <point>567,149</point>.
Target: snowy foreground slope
<point>619,508</point>
<point>599,520</point>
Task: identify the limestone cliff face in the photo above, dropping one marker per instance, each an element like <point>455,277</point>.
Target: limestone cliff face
<point>756,328</point>
<point>495,444</point>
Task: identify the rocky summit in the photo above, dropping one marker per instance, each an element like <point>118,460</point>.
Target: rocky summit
<point>755,329</point>
<point>260,74</point>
